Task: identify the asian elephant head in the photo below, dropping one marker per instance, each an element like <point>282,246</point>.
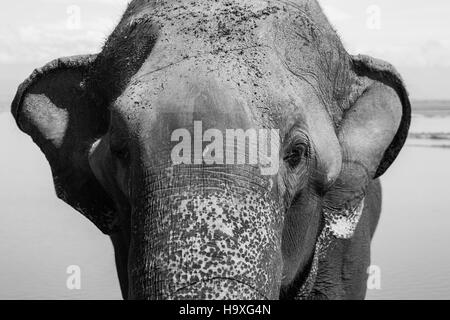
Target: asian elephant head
<point>140,141</point>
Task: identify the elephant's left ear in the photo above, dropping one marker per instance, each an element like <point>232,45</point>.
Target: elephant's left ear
<point>376,114</point>
<point>54,108</point>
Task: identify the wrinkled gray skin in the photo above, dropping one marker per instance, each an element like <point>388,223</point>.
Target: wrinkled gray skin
<point>221,231</point>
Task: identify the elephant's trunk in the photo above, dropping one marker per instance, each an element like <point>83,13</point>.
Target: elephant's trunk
<point>205,232</point>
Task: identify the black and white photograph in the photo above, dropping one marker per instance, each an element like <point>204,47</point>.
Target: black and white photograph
<point>224,150</point>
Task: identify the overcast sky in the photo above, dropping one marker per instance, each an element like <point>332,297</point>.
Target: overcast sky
<point>413,35</point>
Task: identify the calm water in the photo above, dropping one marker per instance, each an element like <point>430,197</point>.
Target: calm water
<point>40,236</point>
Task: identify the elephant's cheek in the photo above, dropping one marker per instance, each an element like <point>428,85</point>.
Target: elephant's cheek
<point>207,245</point>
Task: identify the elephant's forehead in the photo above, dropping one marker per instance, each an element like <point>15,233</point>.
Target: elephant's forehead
<point>265,53</point>
<point>213,25</point>
<point>241,40</point>
<point>168,9</point>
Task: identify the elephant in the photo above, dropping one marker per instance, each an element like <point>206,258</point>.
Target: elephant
<point>112,124</point>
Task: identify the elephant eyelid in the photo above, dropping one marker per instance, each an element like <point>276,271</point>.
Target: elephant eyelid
<point>296,151</point>
<point>298,139</point>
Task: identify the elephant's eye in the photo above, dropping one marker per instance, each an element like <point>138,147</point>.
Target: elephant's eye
<point>294,154</point>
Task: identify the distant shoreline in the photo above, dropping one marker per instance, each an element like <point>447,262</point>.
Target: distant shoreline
<point>431,108</point>
<point>430,135</point>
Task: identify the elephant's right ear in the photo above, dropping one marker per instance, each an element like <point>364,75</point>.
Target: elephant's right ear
<point>392,93</point>
<point>53,107</point>
<point>372,132</point>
